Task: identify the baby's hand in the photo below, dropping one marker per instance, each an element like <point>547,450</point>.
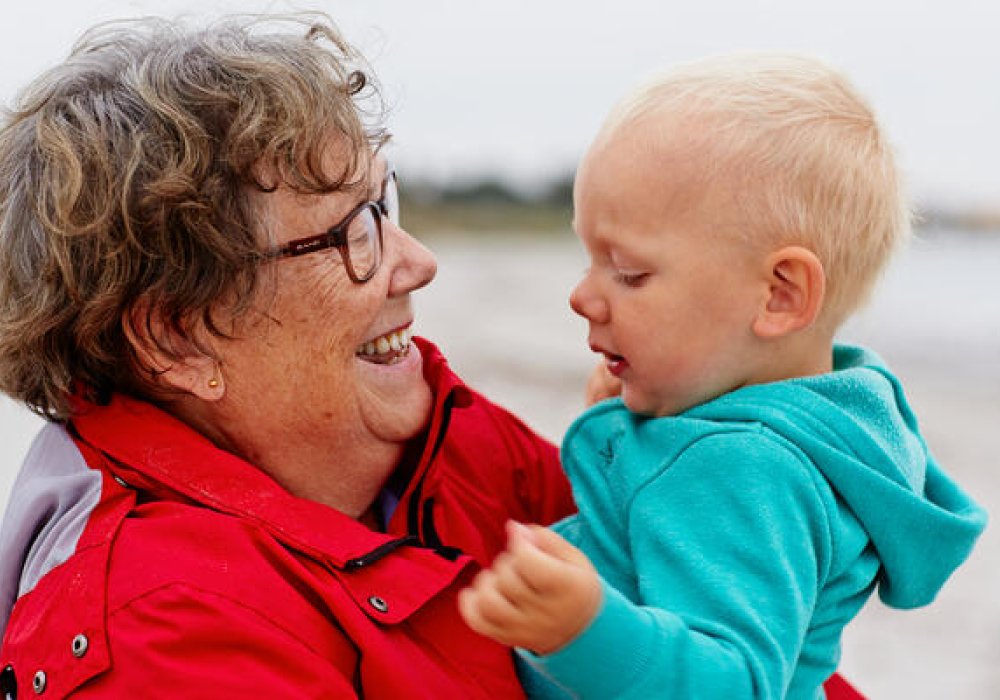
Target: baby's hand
<point>601,384</point>
<point>539,594</point>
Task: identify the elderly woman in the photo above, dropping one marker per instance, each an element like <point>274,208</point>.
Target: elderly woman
<point>256,481</point>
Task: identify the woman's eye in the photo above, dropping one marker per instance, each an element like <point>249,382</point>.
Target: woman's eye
<point>630,279</point>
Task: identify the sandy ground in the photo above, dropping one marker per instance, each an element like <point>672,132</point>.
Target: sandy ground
<point>498,309</point>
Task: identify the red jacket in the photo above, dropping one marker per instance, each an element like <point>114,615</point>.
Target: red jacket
<point>202,578</point>
<point>196,576</point>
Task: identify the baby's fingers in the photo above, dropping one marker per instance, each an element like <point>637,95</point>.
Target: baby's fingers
<point>485,609</point>
<point>509,581</point>
<point>556,546</point>
<point>543,559</point>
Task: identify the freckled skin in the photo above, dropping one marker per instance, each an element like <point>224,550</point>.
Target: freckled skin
<point>333,425</point>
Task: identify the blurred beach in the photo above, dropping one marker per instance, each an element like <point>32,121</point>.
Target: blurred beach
<point>498,309</point>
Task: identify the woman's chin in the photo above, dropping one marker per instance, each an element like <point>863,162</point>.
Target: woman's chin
<point>396,399</point>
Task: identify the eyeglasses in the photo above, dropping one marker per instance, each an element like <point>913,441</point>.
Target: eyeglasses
<point>358,236</point>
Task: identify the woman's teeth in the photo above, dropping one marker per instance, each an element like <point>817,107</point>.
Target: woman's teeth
<point>386,348</point>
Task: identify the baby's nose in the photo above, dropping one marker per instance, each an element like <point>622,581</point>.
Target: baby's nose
<point>585,301</point>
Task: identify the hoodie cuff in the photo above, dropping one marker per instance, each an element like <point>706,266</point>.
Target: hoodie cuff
<point>609,656</point>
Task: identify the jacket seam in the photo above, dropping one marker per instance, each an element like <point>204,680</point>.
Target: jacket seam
<point>237,603</point>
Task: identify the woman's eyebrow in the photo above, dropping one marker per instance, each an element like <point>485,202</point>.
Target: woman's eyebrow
<point>377,188</point>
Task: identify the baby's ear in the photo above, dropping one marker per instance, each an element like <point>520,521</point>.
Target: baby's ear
<point>176,362</point>
<point>796,287</point>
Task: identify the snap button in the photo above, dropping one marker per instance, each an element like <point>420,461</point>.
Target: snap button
<point>379,604</point>
<point>39,682</point>
<point>8,683</point>
<point>80,645</point>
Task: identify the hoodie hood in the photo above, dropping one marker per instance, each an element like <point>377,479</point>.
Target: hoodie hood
<point>857,428</point>
<point>48,509</point>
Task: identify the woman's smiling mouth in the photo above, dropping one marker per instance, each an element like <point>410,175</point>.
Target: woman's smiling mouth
<point>386,349</point>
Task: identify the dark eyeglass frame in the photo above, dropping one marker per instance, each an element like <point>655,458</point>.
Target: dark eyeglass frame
<point>336,235</point>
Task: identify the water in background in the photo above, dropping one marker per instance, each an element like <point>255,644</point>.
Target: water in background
<point>498,309</point>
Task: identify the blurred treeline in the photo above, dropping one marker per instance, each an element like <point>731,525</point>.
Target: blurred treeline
<point>490,204</point>
<point>487,205</point>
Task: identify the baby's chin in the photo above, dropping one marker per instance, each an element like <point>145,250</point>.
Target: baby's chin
<point>651,406</point>
<point>644,405</point>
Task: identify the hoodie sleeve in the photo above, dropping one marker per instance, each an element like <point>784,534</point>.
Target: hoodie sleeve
<point>730,542</point>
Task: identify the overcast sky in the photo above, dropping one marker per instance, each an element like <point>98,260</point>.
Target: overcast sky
<point>517,88</point>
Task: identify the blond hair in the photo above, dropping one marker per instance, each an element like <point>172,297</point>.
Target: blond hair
<point>126,182</point>
<point>812,164</point>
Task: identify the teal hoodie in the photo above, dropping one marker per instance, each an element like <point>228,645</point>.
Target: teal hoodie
<point>736,540</point>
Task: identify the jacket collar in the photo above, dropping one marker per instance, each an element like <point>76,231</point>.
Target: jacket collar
<point>152,451</point>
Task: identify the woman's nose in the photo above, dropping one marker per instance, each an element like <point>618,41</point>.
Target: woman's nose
<point>413,265</point>
<point>585,301</point>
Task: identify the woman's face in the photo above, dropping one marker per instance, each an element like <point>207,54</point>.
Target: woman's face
<point>303,362</point>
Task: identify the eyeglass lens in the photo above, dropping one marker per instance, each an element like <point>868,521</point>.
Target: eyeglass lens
<point>364,244</point>
<point>364,239</point>
<point>390,199</point>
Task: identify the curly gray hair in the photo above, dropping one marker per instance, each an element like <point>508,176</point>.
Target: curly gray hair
<point>126,175</point>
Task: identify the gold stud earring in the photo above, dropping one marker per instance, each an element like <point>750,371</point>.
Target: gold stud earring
<point>213,383</point>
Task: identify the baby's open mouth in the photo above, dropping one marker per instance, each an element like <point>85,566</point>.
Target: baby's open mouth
<point>386,349</point>
<point>616,364</point>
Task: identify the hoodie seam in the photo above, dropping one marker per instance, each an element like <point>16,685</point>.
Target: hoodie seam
<point>824,494</point>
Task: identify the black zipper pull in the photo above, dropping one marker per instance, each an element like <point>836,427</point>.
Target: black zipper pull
<point>379,552</point>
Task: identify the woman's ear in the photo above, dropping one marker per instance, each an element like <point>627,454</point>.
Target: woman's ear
<point>796,288</point>
<point>175,362</point>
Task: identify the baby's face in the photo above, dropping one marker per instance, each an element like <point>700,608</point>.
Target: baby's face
<point>671,292</point>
